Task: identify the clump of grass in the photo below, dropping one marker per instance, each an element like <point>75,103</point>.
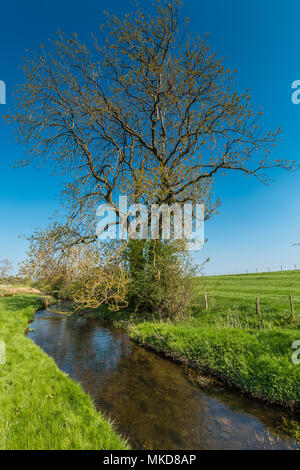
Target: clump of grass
<point>40,407</point>
<point>291,428</point>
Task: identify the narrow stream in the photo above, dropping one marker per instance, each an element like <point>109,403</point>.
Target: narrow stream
<point>152,401</point>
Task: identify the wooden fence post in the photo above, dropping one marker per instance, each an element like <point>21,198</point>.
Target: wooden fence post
<point>206,301</point>
<point>292,306</point>
<point>257,306</point>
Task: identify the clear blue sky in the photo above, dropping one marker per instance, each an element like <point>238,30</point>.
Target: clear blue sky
<point>257,225</point>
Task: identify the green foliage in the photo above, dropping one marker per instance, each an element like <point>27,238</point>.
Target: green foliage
<point>41,408</point>
<point>291,428</point>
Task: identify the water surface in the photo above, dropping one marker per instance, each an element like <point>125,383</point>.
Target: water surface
<point>154,403</point>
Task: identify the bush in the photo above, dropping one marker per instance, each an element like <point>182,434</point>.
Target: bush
<point>160,278</point>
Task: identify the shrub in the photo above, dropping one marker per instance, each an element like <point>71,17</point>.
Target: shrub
<point>160,278</point>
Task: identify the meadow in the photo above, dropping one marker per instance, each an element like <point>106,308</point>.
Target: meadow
<point>41,408</point>
<point>230,340</point>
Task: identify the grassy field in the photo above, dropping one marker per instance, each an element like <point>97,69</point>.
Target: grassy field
<point>231,341</point>
<point>40,407</point>
<point>231,299</point>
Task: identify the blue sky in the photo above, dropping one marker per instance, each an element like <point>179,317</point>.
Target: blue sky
<point>257,225</point>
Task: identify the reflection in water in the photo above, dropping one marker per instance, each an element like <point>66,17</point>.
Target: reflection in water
<point>152,400</point>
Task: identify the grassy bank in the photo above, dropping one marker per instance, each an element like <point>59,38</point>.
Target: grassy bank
<point>231,341</point>
<point>40,407</point>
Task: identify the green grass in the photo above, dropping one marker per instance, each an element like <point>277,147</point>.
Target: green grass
<point>40,407</point>
<point>231,299</point>
<point>231,341</point>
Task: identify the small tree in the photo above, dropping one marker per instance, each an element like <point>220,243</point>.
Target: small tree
<point>6,268</point>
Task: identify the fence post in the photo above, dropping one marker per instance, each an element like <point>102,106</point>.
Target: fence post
<point>292,306</point>
<point>257,306</point>
<point>206,301</point>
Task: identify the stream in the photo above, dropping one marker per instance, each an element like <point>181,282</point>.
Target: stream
<point>153,402</point>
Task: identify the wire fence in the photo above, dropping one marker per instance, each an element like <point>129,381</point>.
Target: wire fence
<point>258,270</point>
